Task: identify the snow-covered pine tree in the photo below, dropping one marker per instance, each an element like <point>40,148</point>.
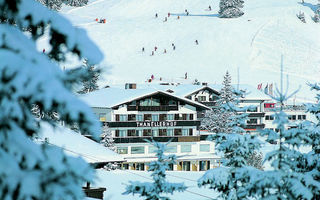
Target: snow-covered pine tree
<point>29,77</point>
<point>52,4</point>
<point>90,84</point>
<point>107,139</point>
<point>153,191</point>
<point>237,148</point>
<point>217,119</point>
<point>230,8</point>
<point>76,3</point>
<point>287,180</point>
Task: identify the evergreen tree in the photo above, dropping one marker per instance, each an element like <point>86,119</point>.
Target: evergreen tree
<point>217,119</point>
<point>28,78</point>
<point>237,148</point>
<point>90,85</point>
<point>153,191</point>
<point>52,4</point>
<point>295,174</point>
<point>107,140</point>
<point>230,8</point>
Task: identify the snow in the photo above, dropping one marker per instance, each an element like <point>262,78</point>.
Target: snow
<point>78,145</point>
<point>116,181</point>
<point>254,42</point>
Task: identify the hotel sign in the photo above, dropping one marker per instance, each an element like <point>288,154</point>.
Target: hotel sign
<point>156,124</point>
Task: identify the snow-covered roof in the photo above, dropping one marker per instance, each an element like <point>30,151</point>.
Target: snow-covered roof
<point>194,103</point>
<point>76,144</point>
<point>112,97</point>
<point>109,97</point>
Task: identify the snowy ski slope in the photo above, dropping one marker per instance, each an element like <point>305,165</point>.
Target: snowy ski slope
<point>253,42</point>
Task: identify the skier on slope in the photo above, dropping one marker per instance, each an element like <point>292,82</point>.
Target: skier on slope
<point>156,16</point>
<point>196,42</point>
<point>165,19</point>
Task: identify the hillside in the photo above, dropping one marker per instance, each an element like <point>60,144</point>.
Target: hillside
<point>253,42</point>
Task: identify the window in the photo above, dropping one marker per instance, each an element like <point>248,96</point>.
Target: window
<point>132,117</point>
<point>123,118</point>
<point>155,117</point>
<point>204,165</point>
<point>163,117</point>
<point>204,147</point>
<point>132,132</point>
<point>185,132</point>
<point>122,150</point>
<point>147,117</point>
<point>267,117</point>
<point>304,117</point>
<point>102,117</point>
<point>271,117</point>
<point>137,150</point>
<point>299,117</point>
<point>190,131</point>
<point>185,148</point>
<point>117,118</point>
<point>170,117</point>
<point>139,133</point>
<point>290,117</point>
<point>122,133</point>
<point>177,132</point>
<point>172,103</point>
<point>176,117</point>
<point>154,132</point>
<point>117,133</point>
<point>170,132</point>
<point>191,117</point>
<point>202,98</point>
<point>162,132</point>
<point>139,118</point>
<point>252,121</point>
<point>294,117</point>
<point>184,116</point>
<point>147,132</point>
<point>171,149</point>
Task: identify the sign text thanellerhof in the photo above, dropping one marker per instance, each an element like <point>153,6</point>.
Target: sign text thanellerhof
<point>156,124</point>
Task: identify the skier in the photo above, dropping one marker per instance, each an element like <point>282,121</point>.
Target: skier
<point>209,7</point>
<point>178,17</point>
<point>174,48</point>
<point>197,42</point>
<point>96,19</point>
<point>168,14</point>
<point>165,19</point>
<point>155,48</point>
<point>185,10</point>
<point>142,49</point>
<point>152,53</point>
<point>156,15</point>
<point>187,13</point>
<point>165,51</point>
<point>44,50</point>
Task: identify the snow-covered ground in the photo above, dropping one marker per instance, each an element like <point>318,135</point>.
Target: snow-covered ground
<point>253,42</point>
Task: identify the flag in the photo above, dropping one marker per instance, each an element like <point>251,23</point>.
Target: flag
<point>266,89</point>
<point>271,89</point>
<point>259,86</point>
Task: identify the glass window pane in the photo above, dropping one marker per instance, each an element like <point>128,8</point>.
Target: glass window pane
<point>185,132</point>
<point>122,150</point>
<point>137,150</point>
<point>170,132</point>
<point>139,118</point>
<point>205,147</point>
<point>152,149</point>
<point>186,148</point>
<point>155,133</point>
<point>122,133</point>
<point>170,117</point>
<point>155,117</point>
<point>171,149</point>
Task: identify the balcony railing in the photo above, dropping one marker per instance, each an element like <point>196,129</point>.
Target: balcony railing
<point>157,139</point>
<point>152,108</point>
<point>154,123</point>
<point>254,126</point>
